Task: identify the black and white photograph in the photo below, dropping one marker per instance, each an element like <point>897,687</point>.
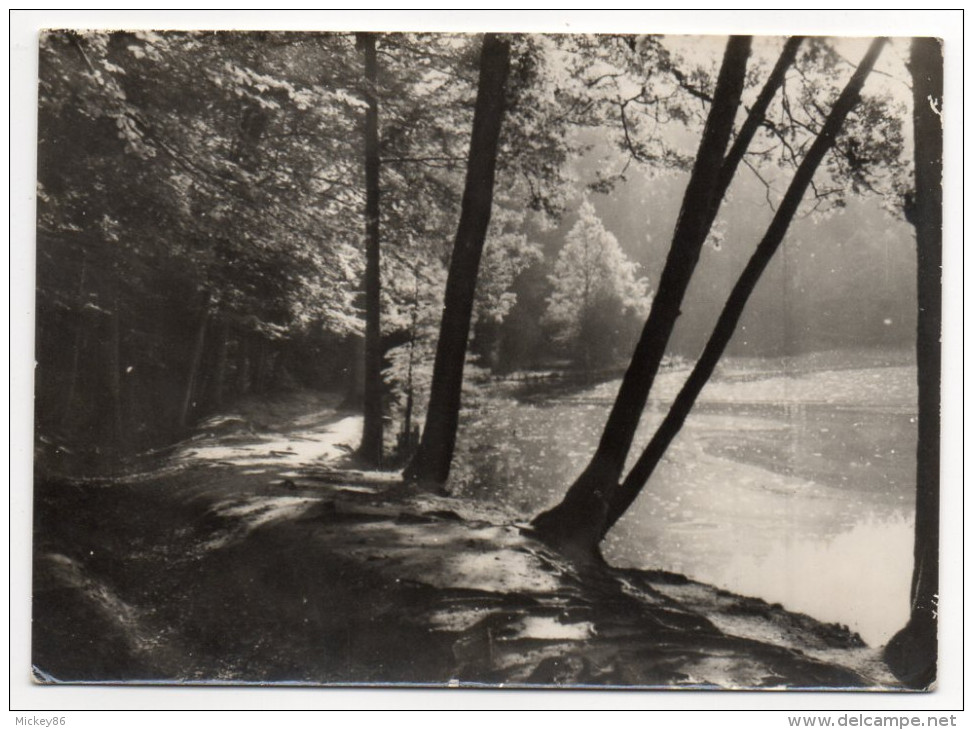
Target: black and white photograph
<point>487,360</point>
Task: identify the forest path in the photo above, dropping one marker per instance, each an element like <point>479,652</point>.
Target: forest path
<point>256,563</point>
<point>300,429</point>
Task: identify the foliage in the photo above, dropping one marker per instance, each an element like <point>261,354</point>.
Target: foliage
<point>597,302</point>
<point>212,182</point>
<point>869,154</point>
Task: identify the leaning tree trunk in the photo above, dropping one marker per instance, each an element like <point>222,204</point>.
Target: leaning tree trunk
<point>371,444</point>
<point>576,524</point>
<point>432,460</point>
<point>911,654</point>
<point>622,498</point>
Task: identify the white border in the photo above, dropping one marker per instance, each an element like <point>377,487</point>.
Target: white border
<point>28,697</point>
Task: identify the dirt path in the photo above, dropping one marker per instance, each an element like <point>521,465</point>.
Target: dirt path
<point>250,559</point>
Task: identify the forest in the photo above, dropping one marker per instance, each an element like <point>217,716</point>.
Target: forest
<point>487,360</point>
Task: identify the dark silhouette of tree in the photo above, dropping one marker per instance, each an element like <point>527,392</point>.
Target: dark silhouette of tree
<point>621,499</point>
<point>432,460</point>
<point>911,654</point>
<point>371,443</point>
<point>577,522</point>
<point>596,500</point>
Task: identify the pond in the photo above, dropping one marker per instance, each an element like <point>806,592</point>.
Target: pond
<point>796,487</point>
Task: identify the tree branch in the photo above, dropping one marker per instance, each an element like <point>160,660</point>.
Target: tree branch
<point>622,497</point>
<point>756,115</point>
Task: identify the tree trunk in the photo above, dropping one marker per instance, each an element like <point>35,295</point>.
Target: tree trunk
<point>432,460</point>
<point>259,350</point>
<point>273,366</point>
<point>219,368</point>
<point>911,654</point>
<point>193,375</point>
<point>241,374</point>
<point>354,380</point>
<point>406,441</point>
<point>576,524</point>
<point>755,117</point>
<point>371,444</point>
<point>623,497</point>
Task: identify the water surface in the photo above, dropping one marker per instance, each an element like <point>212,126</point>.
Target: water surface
<point>797,488</point>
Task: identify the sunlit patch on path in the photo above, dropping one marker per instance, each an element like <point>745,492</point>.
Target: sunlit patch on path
<point>292,449</point>
<point>250,513</point>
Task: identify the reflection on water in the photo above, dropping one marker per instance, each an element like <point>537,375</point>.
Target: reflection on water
<point>809,504</point>
<point>857,577</point>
